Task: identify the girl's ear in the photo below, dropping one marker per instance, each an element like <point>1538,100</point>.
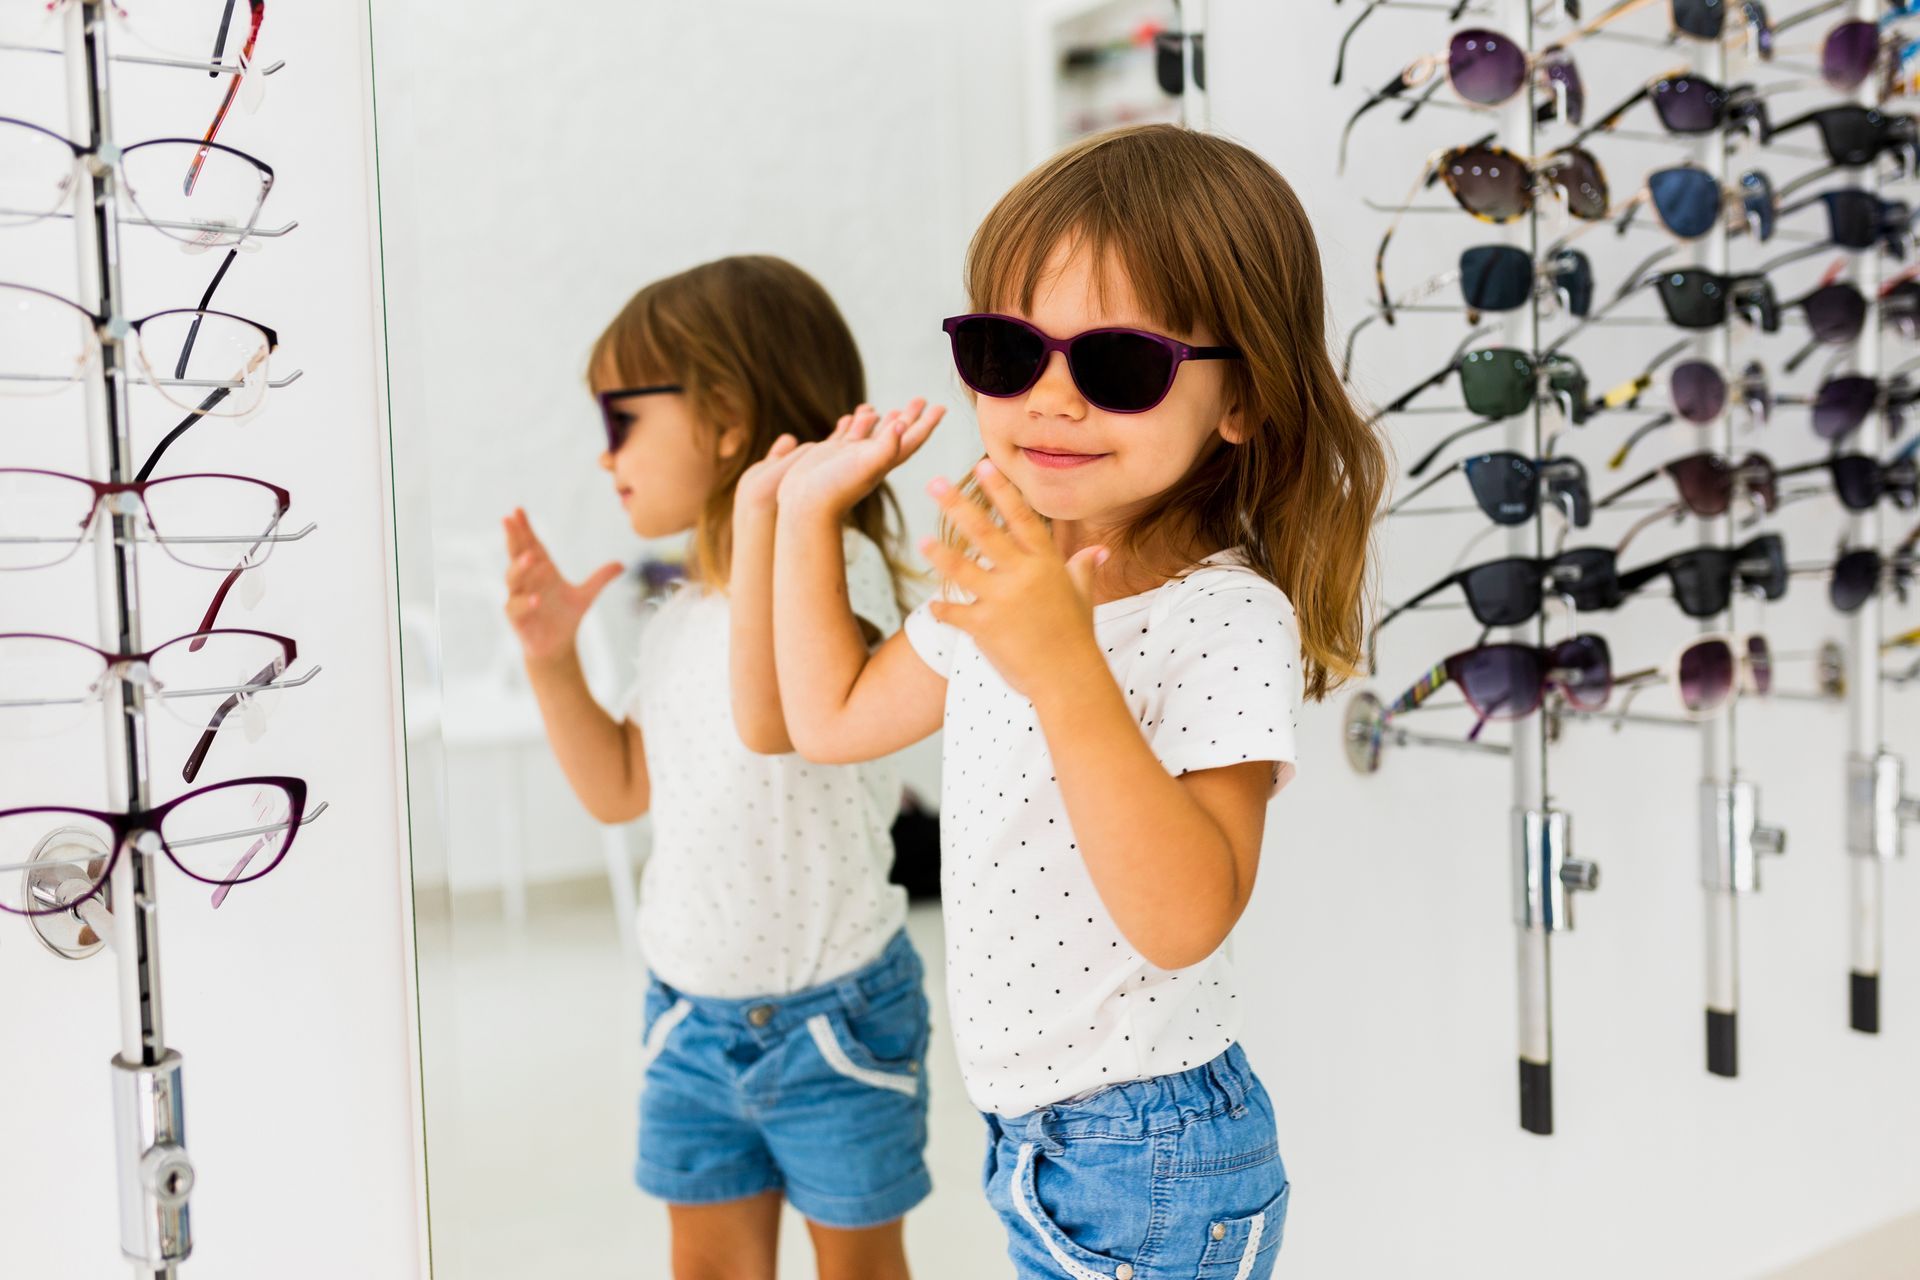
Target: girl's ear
<point>731,440</point>
<point>1233,427</point>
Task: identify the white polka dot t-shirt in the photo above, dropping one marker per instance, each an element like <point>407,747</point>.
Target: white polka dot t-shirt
<point>768,874</point>
<point>1047,999</point>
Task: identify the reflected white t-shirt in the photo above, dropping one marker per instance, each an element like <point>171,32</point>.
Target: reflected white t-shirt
<point>768,874</point>
<point>1047,999</point>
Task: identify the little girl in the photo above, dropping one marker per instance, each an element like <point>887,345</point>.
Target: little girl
<point>785,1020</point>
<point>1118,669</point>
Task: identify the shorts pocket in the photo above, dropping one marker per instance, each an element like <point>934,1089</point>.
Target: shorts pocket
<point>659,1029</point>
<point>1243,1248</point>
<point>1074,1261</point>
<point>847,1056</point>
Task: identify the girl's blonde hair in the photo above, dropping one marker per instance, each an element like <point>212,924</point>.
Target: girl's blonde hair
<point>756,342</point>
<point>1211,238</point>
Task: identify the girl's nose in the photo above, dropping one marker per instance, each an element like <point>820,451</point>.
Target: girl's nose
<point>1056,395</point>
<point>606,460</point>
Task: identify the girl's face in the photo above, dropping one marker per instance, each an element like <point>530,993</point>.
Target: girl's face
<point>1074,462</point>
<point>667,465</point>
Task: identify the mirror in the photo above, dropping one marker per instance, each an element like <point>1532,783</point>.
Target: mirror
<point>534,175</point>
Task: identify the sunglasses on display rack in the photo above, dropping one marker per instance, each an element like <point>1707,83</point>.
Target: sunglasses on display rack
<point>1509,486</point>
<point>1857,575</point>
<point>1499,382</point>
<point>1703,578</point>
<point>1689,202</point>
<point>1707,482</point>
<point>1688,104</point>
<point>1854,135</point>
<point>40,169</point>
<point>1486,69</point>
<point>1493,278</point>
<point>1697,394</point>
<point>225,834</point>
<point>1510,591</point>
<point>1859,220</point>
<point>1860,480</point>
<point>1116,370</point>
<point>49,683</point>
<point>1169,61</point>
<point>1509,681</point>
<point>1842,403</point>
<point>1709,672</point>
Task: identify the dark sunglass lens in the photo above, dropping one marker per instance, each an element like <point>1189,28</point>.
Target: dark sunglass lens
<point>1578,174</point>
<point>1841,404</point>
<point>1506,486</point>
<point>1702,19</point>
<point>1583,668</point>
<point>1847,54</point>
<point>1485,67</point>
<point>1706,675</point>
<point>1756,197</point>
<point>1589,576</point>
<point>1699,392</point>
<point>1573,277</point>
<point>1502,681</point>
<point>1688,104</point>
<point>1705,482</point>
<point>1121,372</point>
<point>997,357</point>
<point>1853,218</point>
<point>1503,593</point>
<point>1694,299</point>
<point>1760,664</point>
<point>1496,277</point>
<point>1490,183</point>
<point>1702,581</point>
<point>1763,566</point>
<point>1851,134</point>
<point>1856,479</point>
<point>1497,382</point>
<point>1855,575</point>
<point>1836,312</point>
<point>1687,200</point>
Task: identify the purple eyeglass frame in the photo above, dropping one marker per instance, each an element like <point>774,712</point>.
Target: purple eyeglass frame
<point>1179,351</point>
<point>127,826</point>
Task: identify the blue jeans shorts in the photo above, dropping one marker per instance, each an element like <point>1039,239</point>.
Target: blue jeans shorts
<point>821,1094</point>
<point>1176,1176</point>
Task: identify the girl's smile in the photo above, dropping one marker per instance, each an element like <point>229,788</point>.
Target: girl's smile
<point>1057,459</point>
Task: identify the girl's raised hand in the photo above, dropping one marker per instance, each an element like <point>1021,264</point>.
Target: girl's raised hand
<point>544,608</point>
<point>831,475</point>
<point>1031,613</point>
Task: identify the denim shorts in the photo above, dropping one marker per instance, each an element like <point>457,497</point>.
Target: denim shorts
<point>1176,1176</point>
<point>821,1094</point>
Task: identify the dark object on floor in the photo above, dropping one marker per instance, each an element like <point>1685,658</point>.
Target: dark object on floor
<point>916,849</point>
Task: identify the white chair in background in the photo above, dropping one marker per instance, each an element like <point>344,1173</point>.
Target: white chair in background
<point>485,709</point>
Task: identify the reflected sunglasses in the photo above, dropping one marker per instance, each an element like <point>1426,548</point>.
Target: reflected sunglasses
<point>1118,370</point>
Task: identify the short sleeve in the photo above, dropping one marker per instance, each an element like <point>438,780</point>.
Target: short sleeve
<point>932,639</point>
<point>1229,681</point>
<point>870,583</point>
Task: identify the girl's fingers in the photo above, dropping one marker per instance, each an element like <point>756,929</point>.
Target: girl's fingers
<point>953,613</point>
<point>973,522</point>
<point>1028,530</point>
<point>950,563</point>
<point>520,606</point>
<point>915,433</point>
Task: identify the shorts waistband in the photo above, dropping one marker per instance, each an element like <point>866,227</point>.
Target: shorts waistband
<point>1136,1108</point>
<point>769,1017</point>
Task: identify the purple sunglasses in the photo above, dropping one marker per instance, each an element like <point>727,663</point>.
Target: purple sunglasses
<point>617,421</point>
<point>207,823</point>
<point>1118,370</point>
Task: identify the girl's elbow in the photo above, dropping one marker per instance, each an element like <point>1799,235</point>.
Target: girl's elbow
<point>763,737</point>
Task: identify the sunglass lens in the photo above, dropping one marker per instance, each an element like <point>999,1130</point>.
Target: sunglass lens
<point>1121,372</point>
<point>1583,668</point>
<point>1705,482</point>
<point>1855,575</point>
<point>1687,200</point>
<point>997,357</point>
<point>1489,182</point>
<point>1503,593</point>
<point>1694,299</point>
<point>1763,566</point>
<point>1497,382</point>
<point>1688,104</point>
<point>1485,66</point>
<point>1701,19</point>
<point>1496,277</point>
<point>1578,174</point>
<point>1856,480</point>
<point>1589,575</point>
<point>1506,485</point>
<point>1841,404</point>
<point>1702,581</point>
<point>1760,664</point>
<point>1836,312</point>
<point>1699,392</point>
<point>1573,277</point>
<point>1853,218</point>
<point>1706,675</point>
<point>1501,681</point>
<point>1851,134</point>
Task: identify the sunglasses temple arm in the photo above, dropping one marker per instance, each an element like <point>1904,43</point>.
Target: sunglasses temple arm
<point>214,397</point>
<point>1425,687</point>
<point>1419,468</point>
<point>1340,59</point>
<point>1427,175</point>
<point>1386,93</point>
<point>1808,14</point>
<point>1426,96</point>
<point>1619,459</point>
<point>1420,489</point>
<point>1608,120</point>
<point>213,609</point>
<point>1406,397</point>
<point>1630,487</point>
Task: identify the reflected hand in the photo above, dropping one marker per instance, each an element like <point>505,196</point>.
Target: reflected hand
<point>544,608</point>
<point>832,475</point>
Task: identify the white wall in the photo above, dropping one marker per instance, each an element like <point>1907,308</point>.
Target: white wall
<point>291,1004</point>
<point>1379,939</point>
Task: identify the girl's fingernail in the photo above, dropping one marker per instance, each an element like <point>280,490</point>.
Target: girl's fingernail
<point>939,487</point>
<point>926,543</point>
<point>984,467</point>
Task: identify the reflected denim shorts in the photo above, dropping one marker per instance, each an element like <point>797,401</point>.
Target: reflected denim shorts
<point>821,1094</point>
<point>1176,1176</point>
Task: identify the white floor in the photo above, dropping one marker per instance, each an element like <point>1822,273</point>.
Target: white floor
<point>537,1180</point>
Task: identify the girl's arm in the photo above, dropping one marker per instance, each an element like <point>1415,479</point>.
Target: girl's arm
<point>603,759</point>
<point>1173,858</point>
<point>843,704</point>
